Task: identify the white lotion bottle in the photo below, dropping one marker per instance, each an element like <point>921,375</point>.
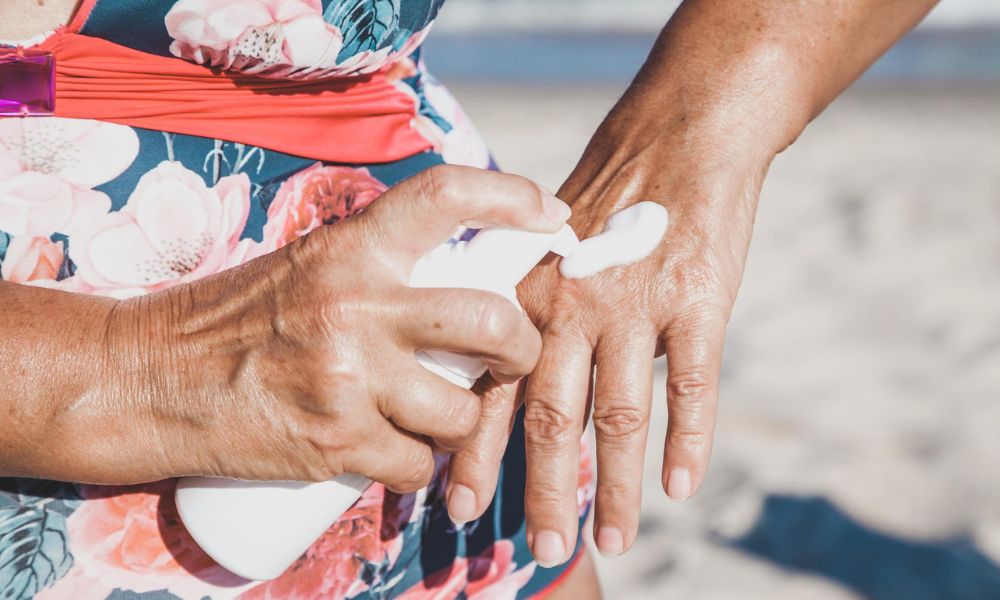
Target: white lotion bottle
<point>258,529</point>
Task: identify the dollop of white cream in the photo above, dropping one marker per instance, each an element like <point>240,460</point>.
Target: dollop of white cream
<point>629,236</point>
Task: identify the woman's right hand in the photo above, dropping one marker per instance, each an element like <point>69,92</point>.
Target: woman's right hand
<point>300,365</point>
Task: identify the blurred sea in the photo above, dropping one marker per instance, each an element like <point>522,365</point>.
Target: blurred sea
<point>558,42</point>
<point>968,56</point>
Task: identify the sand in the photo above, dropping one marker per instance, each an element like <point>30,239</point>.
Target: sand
<point>861,389</point>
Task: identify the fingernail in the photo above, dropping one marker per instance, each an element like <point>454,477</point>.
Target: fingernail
<point>554,208</point>
<point>610,541</point>
<point>461,504</point>
<point>548,548</point>
<point>679,484</point>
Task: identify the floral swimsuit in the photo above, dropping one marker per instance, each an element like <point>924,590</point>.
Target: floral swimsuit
<point>190,136</point>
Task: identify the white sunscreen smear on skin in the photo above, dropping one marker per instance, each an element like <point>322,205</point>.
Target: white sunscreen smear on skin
<point>629,236</point>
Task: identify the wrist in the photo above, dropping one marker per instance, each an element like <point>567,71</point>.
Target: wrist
<point>176,377</point>
<point>686,165</point>
<point>704,111</point>
<point>136,389</point>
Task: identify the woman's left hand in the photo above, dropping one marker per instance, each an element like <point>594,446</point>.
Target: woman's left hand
<point>728,85</point>
<point>677,301</point>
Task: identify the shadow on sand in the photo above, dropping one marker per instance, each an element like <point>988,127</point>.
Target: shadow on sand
<point>811,535</point>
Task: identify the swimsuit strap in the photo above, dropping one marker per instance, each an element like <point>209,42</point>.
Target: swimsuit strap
<point>83,12</point>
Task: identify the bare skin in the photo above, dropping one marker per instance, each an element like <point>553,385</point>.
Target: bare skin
<point>580,584</point>
<point>21,19</point>
<point>296,366</point>
<point>728,85</point>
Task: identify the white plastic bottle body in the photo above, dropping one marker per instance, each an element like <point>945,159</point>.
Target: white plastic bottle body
<point>257,530</point>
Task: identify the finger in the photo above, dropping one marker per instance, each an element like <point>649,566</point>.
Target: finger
<point>423,211</point>
<point>396,458</point>
<point>553,423</point>
<point>622,397</point>
<point>694,359</point>
<point>424,403</point>
<point>471,323</point>
<point>472,476</point>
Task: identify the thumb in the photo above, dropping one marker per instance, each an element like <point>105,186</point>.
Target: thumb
<point>420,213</point>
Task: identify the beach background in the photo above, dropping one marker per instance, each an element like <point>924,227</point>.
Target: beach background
<point>858,444</point>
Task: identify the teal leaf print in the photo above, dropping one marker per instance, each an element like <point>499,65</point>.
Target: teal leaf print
<point>367,25</point>
<point>414,15</point>
<point>119,594</point>
<point>34,548</point>
<point>4,244</point>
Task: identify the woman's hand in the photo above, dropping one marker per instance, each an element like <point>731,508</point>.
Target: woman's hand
<point>677,301</point>
<point>300,365</point>
<point>728,85</point>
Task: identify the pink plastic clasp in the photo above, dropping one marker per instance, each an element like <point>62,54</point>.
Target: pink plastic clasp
<point>27,83</point>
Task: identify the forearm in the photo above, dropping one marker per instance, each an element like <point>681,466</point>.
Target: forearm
<point>748,76</point>
<point>83,389</point>
<point>51,354</point>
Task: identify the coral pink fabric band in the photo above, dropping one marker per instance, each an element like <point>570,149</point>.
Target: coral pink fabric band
<point>357,119</point>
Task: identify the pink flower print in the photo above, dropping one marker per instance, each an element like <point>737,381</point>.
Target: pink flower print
<point>268,38</point>
<point>173,229</point>
<point>331,567</point>
<point>463,144</point>
<point>131,537</point>
<point>30,259</point>
<point>48,168</point>
<point>491,575</point>
<point>315,196</point>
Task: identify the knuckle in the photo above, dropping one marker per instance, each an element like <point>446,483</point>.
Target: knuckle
<point>493,320</point>
<point>690,386</point>
<point>495,400</point>
<point>438,186</point>
<point>331,388</point>
<point>418,472</point>
<point>463,419</point>
<point>618,421</point>
<point>545,424</point>
<point>526,196</point>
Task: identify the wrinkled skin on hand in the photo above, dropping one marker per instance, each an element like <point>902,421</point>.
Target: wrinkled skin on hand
<point>299,365</point>
<point>676,301</point>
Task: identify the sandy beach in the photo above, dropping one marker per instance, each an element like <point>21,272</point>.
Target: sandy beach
<point>858,444</point>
